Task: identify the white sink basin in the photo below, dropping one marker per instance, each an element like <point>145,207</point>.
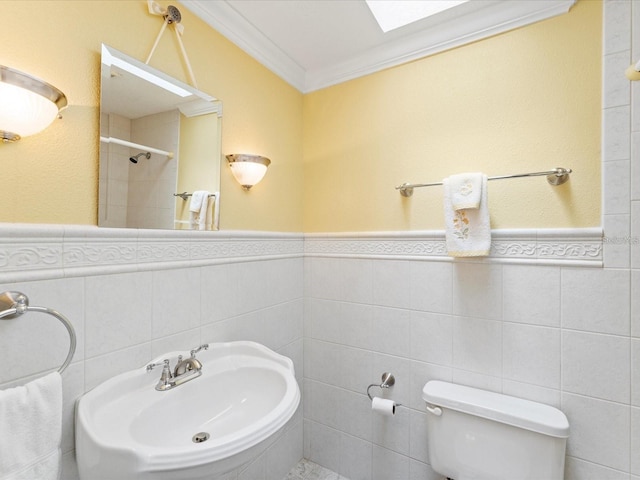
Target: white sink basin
<point>126,429</point>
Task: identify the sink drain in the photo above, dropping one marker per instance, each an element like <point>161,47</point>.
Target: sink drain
<point>200,437</point>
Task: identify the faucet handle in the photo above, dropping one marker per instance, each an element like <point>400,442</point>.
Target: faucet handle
<point>165,364</point>
<point>204,346</point>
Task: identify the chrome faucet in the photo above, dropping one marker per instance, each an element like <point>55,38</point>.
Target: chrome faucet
<point>185,370</point>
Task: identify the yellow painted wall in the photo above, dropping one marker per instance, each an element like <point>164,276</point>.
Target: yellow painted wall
<point>524,101</point>
<point>53,177</point>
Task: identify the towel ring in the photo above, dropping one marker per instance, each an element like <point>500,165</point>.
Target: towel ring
<point>14,304</point>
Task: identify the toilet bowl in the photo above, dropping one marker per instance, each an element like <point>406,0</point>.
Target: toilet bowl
<point>479,435</point>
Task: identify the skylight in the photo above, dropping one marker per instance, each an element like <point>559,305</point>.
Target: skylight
<point>392,14</point>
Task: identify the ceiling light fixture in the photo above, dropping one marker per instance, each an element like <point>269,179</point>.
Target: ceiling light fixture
<point>28,105</point>
<point>392,14</point>
<point>248,169</point>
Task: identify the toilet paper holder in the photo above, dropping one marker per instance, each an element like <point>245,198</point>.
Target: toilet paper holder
<point>388,380</point>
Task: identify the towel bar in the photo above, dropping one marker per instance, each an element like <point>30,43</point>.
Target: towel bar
<point>185,195</point>
<point>14,304</point>
<point>557,176</point>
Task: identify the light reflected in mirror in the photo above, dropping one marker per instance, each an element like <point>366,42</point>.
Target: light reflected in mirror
<point>158,137</point>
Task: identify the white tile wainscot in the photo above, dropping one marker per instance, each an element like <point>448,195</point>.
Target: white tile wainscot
<point>540,318</point>
<point>132,295</point>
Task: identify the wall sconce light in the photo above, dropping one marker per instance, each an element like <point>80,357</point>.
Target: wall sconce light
<point>633,72</point>
<point>28,105</point>
<point>248,169</point>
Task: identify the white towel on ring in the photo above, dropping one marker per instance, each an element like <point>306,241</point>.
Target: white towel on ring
<point>466,190</point>
<point>467,231</point>
<point>31,430</point>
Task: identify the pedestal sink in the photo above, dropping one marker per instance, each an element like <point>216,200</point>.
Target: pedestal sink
<point>126,429</point>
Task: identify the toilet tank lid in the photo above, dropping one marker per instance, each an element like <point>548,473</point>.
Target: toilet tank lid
<point>513,411</point>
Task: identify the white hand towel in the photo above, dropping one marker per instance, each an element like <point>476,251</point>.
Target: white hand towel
<point>193,220</point>
<point>205,213</point>
<point>216,211</point>
<point>196,200</point>
<point>199,209</point>
<point>466,190</point>
<point>467,231</point>
<point>31,429</point>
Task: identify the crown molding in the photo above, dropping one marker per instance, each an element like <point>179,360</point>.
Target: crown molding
<point>490,20</point>
<point>223,18</point>
<point>485,19</point>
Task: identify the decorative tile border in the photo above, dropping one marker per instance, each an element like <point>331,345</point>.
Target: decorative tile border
<point>36,252</point>
<point>571,247</point>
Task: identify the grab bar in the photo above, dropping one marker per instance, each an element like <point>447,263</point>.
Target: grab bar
<point>17,303</point>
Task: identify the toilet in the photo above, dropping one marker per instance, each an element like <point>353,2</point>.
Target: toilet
<point>479,435</point>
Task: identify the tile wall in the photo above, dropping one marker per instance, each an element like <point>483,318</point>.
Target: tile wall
<point>557,335</point>
<point>124,320</point>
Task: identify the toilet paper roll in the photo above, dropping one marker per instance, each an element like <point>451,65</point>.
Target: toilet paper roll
<point>383,406</point>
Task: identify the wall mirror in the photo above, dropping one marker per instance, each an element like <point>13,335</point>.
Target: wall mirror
<point>159,143</point>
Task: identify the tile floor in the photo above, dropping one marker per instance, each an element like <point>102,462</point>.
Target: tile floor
<point>306,470</point>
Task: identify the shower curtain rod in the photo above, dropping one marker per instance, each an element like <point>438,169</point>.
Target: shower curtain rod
<point>129,144</point>
<point>557,176</point>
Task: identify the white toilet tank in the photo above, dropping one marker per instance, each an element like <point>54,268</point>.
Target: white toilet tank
<point>478,435</point>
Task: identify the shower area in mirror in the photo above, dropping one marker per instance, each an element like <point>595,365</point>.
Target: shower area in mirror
<point>137,194</point>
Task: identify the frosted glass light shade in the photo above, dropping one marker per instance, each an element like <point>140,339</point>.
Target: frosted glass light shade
<point>27,105</point>
<point>248,169</point>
